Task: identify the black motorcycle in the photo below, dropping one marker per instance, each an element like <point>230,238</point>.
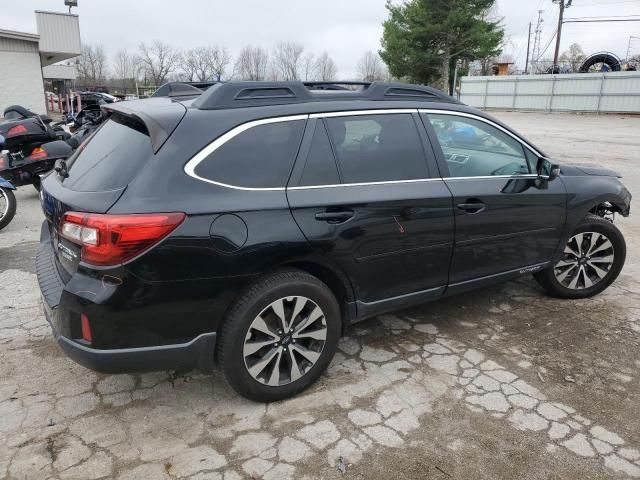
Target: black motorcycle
<point>24,159</point>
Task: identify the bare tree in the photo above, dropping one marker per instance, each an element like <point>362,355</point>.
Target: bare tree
<point>220,60</point>
<point>124,67</point>
<point>189,65</point>
<point>287,60</point>
<point>92,64</point>
<point>370,67</point>
<point>573,58</point>
<point>251,64</point>
<point>326,68</point>
<point>204,63</point>
<point>309,67</point>
<point>158,60</point>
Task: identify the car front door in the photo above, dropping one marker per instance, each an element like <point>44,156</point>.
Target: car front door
<point>365,195</point>
<point>505,223</point>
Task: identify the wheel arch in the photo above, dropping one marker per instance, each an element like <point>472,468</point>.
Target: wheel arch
<point>592,206</point>
<point>335,279</point>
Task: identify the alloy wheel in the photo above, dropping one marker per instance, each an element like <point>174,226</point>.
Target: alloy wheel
<point>587,259</point>
<point>284,341</point>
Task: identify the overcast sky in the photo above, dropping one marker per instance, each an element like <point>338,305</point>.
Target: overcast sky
<point>343,28</point>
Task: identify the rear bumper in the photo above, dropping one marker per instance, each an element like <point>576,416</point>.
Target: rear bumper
<point>197,353</point>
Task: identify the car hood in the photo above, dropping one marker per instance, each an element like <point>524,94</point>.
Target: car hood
<point>578,170</point>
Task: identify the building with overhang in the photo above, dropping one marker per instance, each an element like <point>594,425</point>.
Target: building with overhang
<point>28,60</point>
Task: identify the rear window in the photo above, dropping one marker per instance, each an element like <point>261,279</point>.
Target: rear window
<point>110,160</point>
<point>260,157</point>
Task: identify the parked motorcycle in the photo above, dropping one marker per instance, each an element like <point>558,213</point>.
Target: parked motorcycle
<point>25,156</point>
<point>7,198</point>
<point>84,124</point>
<point>26,171</point>
<point>7,203</point>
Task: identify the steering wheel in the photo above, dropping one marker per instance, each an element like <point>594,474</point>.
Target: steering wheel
<point>512,168</point>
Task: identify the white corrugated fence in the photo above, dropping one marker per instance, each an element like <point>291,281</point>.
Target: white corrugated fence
<point>613,92</point>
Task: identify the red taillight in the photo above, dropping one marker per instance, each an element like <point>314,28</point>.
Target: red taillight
<point>38,154</point>
<point>17,130</point>
<point>86,328</point>
<point>115,239</point>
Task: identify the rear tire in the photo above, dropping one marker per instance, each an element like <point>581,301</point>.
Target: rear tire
<point>591,261</point>
<point>7,207</point>
<point>266,359</point>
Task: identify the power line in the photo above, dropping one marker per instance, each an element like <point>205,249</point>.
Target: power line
<point>603,16</point>
<point>604,4</point>
<point>600,20</point>
<point>549,43</point>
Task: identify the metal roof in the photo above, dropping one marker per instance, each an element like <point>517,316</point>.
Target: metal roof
<point>27,37</point>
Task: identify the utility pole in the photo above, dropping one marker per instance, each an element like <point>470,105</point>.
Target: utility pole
<point>560,22</point>
<point>631,39</point>
<point>526,65</point>
<point>537,41</point>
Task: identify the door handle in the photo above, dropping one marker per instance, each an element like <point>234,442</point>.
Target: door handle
<point>335,217</point>
<point>472,207</point>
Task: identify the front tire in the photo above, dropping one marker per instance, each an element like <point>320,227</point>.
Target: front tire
<point>279,336</point>
<point>590,262</point>
<point>7,207</point>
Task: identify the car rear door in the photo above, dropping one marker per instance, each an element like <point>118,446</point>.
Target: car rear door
<point>365,193</point>
<point>504,222</point>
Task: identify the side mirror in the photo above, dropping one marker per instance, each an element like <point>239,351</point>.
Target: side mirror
<point>547,172</point>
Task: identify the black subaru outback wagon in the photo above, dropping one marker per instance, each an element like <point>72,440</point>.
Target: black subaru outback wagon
<point>251,225</point>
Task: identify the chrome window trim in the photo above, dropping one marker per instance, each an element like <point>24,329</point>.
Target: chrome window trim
<point>419,180</point>
<point>356,113</point>
<point>486,177</point>
<point>192,164</point>
<point>366,184</point>
<point>481,119</point>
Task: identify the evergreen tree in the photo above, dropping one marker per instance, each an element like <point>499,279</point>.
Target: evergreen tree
<point>422,39</point>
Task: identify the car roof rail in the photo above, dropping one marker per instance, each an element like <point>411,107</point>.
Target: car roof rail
<point>182,89</point>
<point>253,94</point>
<point>329,85</point>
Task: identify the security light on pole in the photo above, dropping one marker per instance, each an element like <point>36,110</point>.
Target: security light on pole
<point>71,3</point>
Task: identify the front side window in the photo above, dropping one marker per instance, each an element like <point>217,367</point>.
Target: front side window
<point>378,148</point>
<point>473,148</point>
<point>260,157</point>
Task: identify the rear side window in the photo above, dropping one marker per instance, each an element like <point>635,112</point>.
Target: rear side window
<point>110,160</point>
<point>260,157</point>
<point>320,168</point>
<point>378,148</point>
